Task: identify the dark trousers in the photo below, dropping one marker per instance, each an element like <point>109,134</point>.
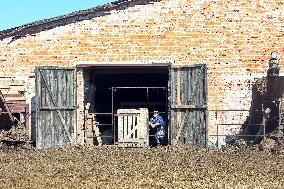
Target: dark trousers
<point>155,138</point>
<point>159,141</point>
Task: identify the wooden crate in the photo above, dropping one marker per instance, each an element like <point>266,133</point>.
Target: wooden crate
<point>133,127</point>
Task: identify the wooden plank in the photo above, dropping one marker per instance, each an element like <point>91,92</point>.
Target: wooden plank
<point>178,66</point>
<point>180,129</point>
<point>12,86</point>
<point>131,127</point>
<point>132,144</point>
<point>67,88</point>
<point>47,134</point>
<point>13,97</point>
<point>125,128</point>
<point>120,131</point>
<point>57,108</point>
<point>195,84</point>
<point>178,91</point>
<point>9,95</point>
<point>186,84</point>
<point>16,108</point>
<point>16,102</point>
<point>191,106</point>
<point>171,102</point>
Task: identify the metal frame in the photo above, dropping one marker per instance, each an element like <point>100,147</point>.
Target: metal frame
<point>112,99</point>
<point>237,135</point>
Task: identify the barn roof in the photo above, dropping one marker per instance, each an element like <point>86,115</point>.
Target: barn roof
<point>73,17</point>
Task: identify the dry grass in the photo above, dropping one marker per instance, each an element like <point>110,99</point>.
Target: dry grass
<point>167,167</point>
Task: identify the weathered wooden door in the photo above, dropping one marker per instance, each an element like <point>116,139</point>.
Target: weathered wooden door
<point>56,106</point>
<point>188,105</point>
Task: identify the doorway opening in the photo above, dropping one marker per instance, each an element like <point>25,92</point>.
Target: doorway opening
<point>109,88</point>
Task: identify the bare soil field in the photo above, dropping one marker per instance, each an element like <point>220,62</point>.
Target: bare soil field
<point>163,167</point>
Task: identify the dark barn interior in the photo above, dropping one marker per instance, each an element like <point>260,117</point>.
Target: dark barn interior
<point>109,88</point>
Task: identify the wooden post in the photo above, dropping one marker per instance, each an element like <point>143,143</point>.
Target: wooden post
<point>178,87</point>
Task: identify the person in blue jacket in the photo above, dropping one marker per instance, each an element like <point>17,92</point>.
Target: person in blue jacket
<point>157,125</point>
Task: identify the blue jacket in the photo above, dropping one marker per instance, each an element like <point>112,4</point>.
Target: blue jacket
<point>159,120</point>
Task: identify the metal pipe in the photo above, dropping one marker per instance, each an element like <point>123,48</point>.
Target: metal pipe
<point>217,142</point>
<point>237,124</point>
<point>95,136</point>
<point>6,113</point>
<point>125,114</point>
<point>166,117</point>
<point>230,110</point>
<point>206,128</point>
<point>216,115</point>
<point>237,135</point>
<point>147,94</point>
<point>264,129</point>
<point>112,116</point>
<point>139,87</point>
<point>102,113</point>
<point>159,112</point>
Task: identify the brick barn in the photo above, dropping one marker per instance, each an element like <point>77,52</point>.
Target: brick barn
<point>195,61</point>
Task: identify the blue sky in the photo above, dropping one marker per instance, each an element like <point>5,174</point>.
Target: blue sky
<point>18,12</point>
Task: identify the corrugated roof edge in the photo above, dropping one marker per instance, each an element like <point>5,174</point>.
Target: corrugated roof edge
<point>77,16</point>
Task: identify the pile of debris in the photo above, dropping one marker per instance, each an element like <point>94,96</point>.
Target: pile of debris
<point>16,137</point>
<point>272,142</point>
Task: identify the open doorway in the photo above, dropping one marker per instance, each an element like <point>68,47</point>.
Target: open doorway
<point>109,88</point>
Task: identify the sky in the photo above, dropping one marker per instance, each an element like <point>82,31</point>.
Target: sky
<point>15,13</point>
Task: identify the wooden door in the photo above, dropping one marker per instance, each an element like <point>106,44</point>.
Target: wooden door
<point>55,106</point>
<point>188,105</point>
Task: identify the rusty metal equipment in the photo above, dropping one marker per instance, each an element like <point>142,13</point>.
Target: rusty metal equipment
<point>266,113</point>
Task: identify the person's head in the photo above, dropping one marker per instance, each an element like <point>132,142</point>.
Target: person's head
<point>156,113</point>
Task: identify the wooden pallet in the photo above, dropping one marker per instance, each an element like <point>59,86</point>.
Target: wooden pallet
<point>133,127</point>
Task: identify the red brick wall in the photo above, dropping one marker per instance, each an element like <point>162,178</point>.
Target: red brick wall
<point>233,37</point>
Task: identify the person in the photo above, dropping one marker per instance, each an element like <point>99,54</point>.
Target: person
<point>157,126</point>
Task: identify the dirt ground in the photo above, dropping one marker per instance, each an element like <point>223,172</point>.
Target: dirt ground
<point>163,167</point>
